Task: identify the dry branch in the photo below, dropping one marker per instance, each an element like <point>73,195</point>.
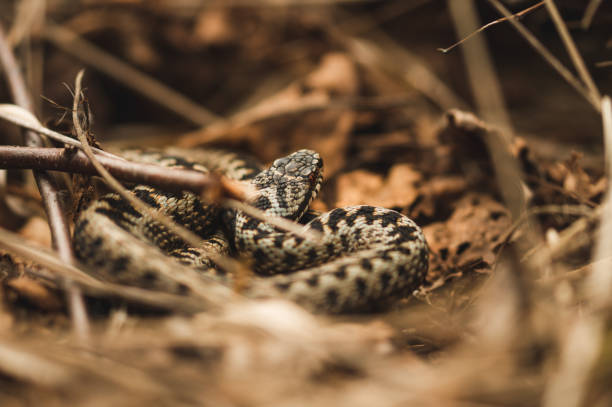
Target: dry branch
<point>66,160</point>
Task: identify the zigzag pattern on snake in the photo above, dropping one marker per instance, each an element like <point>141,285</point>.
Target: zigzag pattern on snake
<point>366,256</point>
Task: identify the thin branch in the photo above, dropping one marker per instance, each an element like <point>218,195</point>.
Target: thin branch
<point>572,50</point>
<point>75,161</point>
<point>548,57</point>
<point>492,23</point>
<point>48,191</point>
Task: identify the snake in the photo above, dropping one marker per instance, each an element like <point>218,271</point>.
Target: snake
<point>362,257</point>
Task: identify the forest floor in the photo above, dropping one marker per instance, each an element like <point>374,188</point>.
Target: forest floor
<point>492,151</point>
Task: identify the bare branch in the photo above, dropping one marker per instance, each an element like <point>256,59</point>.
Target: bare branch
<point>61,159</point>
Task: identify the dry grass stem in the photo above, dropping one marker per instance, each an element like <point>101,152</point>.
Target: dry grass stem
<point>23,118</point>
<point>487,92</point>
<point>572,50</point>
<point>589,13</point>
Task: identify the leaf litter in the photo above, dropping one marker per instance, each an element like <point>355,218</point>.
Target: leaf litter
<point>459,341</point>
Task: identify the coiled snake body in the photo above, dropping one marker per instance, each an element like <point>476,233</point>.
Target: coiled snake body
<point>365,256</point>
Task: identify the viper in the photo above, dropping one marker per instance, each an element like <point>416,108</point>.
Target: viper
<point>363,256</point>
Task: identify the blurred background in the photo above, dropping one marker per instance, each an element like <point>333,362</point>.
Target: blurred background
<point>226,56</point>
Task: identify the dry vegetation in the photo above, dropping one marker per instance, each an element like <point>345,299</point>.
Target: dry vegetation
<point>494,147</point>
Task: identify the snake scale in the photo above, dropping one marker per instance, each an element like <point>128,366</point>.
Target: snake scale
<point>365,256</point>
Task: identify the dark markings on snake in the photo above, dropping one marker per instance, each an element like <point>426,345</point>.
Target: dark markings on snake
<point>331,249</point>
<point>350,219</point>
<point>250,224</point>
<point>361,285</point>
<point>182,289</point>
<point>390,218</point>
<point>283,286</point>
<point>331,297</point>
<point>385,278</point>
<point>404,250</point>
<point>424,257</point>
<point>278,241</point>
<point>290,259</point>
<point>259,255</point>
<point>280,196</point>
<point>367,212</point>
<point>145,196</point>
<point>345,242</point>
<point>78,228</point>
<point>366,264</point>
<point>335,217</point>
<point>262,203</point>
<point>406,231</point>
<point>101,262</point>
<point>96,243</point>
<point>312,255</point>
<point>120,263</point>
<point>340,273</point>
<point>149,276</point>
<point>316,225</point>
<point>116,216</point>
<point>313,280</point>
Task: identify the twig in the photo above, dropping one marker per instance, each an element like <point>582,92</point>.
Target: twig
<point>492,23</point>
<point>70,42</point>
<point>572,50</point>
<point>51,200</point>
<point>61,159</point>
<point>548,57</point>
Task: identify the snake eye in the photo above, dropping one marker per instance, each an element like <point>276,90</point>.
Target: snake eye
<point>312,178</point>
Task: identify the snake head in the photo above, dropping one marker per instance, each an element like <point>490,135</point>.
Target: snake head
<point>290,184</point>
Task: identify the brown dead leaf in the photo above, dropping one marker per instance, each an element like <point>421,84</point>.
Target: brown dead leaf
<point>558,182</point>
<point>213,26</point>
<point>36,230</point>
<point>468,239</point>
<point>35,293</point>
<point>362,187</point>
